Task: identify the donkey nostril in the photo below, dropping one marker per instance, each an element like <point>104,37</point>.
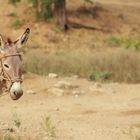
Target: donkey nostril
<point>14,93</point>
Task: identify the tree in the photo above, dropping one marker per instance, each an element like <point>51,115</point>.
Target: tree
<point>45,11</point>
<point>60,13</point>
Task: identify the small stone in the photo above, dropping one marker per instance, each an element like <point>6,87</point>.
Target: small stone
<point>78,92</point>
<point>65,85</point>
<point>76,95</point>
<point>53,75</point>
<point>30,92</point>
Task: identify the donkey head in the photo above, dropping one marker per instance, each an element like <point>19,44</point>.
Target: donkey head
<point>11,63</point>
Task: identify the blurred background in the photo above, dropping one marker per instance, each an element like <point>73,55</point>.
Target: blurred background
<point>79,59</point>
<point>94,39</point>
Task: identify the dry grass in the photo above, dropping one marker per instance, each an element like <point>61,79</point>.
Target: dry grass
<point>48,127</point>
<point>17,120</point>
<point>8,137</point>
<point>113,64</point>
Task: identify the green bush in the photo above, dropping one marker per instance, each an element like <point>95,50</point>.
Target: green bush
<point>124,42</point>
<point>97,75</point>
<point>45,8</point>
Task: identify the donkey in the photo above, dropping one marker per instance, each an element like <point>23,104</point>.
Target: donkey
<point>11,65</point>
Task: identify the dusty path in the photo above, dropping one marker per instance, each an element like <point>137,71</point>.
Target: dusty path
<point>101,111</point>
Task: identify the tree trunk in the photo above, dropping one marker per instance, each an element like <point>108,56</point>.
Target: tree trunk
<point>60,13</point>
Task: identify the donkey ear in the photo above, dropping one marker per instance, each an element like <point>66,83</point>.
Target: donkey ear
<point>2,42</point>
<point>22,39</point>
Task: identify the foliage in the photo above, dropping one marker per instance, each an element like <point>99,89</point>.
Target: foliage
<point>14,2</point>
<point>43,8</point>
<point>89,1</point>
<point>46,9</point>
<point>97,75</point>
<point>125,42</point>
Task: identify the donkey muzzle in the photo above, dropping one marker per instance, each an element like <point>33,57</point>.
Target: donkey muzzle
<point>16,91</point>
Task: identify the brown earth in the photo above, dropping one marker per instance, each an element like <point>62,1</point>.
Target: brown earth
<point>81,109</point>
<point>84,110</point>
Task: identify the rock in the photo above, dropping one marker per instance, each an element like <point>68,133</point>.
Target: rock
<point>76,95</point>
<point>30,92</point>
<point>65,85</point>
<point>75,76</point>
<point>53,75</point>
<point>78,92</point>
<point>56,91</point>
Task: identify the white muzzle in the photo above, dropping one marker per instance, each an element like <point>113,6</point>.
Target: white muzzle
<point>16,91</point>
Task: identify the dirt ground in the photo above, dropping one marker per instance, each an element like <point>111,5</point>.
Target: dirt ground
<point>78,109</point>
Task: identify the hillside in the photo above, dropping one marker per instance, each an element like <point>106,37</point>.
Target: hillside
<point>95,23</point>
<point>81,84</point>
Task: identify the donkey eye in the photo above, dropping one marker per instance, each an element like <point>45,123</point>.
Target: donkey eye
<point>6,66</point>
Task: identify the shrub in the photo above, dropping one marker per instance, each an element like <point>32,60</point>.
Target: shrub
<point>43,8</point>
<point>97,75</point>
<point>124,42</point>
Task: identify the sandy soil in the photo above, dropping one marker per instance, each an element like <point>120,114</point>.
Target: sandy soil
<point>85,110</point>
<point>78,109</point>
